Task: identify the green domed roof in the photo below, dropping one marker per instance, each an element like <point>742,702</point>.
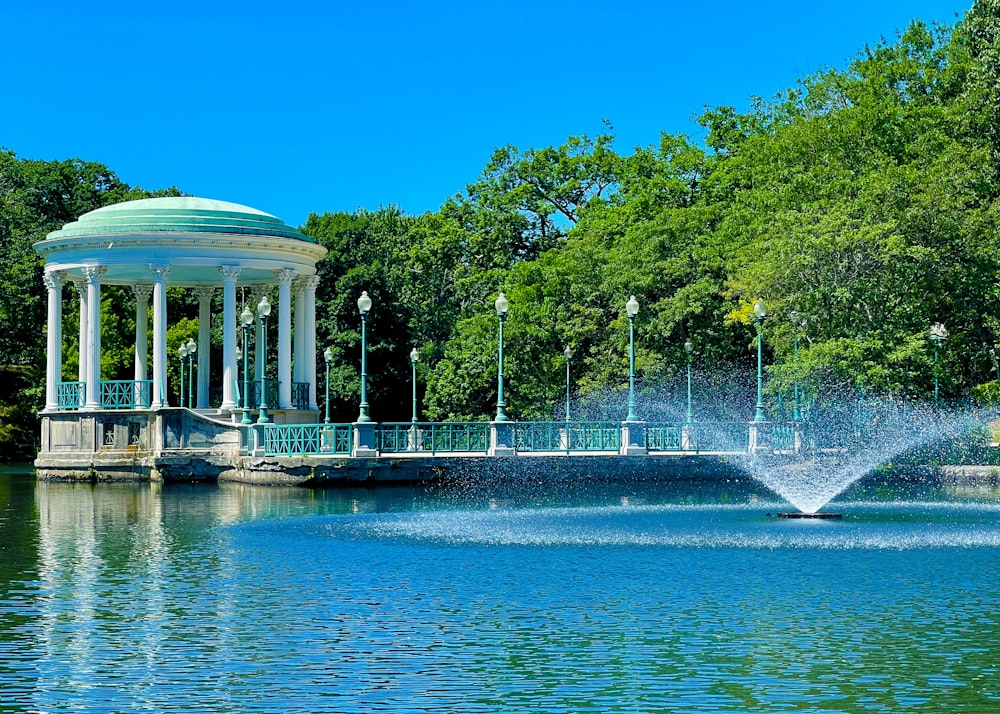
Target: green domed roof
<point>177,214</point>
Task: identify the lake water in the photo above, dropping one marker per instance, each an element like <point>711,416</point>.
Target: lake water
<point>540,597</point>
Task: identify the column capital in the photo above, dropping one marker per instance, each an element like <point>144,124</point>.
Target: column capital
<point>81,289</point>
<point>204,293</point>
<point>53,279</point>
<point>142,292</point>
<point>159,271</point>
<point>229,273</point>
<point>93,273</point>
<point>309,282</point>
<point>285,276</point>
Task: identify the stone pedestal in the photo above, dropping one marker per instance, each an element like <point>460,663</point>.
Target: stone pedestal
<point>364,439</point>
<point>755,442</point>
<point>633,438</point>
<point>502,438</point>
<point>688,441</point>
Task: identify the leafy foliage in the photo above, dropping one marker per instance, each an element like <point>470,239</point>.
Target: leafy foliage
<point>860,204</point>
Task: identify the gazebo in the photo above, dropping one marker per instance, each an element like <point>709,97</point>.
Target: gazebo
<point>195,244</point>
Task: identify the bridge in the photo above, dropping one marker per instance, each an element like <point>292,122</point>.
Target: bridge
<point>551,438</point>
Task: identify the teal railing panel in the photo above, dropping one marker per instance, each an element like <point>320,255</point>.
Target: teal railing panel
<point>300,395</point>
<point>272,394</point>
<point>308,439</point>
<point>665,437</point>
<point>595,436</point>
<point>539,436</point>
<point>71,395</point>
<point>719,436</point>
<point>396,437</point>
<point>467,436</point>
<point>126,394</point>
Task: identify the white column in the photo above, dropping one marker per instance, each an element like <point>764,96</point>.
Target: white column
<point>309,343</point>
<point>205,342</point>
<point>285,278</point>
<point>93,273</point>
<point>142,293</point>
<point>159,334</point>
<point>53,362</point>
<point>229,274</point>
<point>81,289</point>
<point>299,333</point>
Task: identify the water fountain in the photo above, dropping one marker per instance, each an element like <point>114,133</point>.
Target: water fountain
<point>849,441</point>
<point>844,438</point>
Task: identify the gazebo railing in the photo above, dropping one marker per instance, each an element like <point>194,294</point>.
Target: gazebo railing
<point>272,394</point>
<point>300,395</point>
<point>71,395</point>
<point>126,393</point>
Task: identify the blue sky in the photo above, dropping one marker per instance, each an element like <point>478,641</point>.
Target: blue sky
<point>298,107</point>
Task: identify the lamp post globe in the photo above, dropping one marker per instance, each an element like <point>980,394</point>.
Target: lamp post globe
<point>263,311</point>
<point>181,354</point>
<point>246,320</point>
<point>760,310</point>
<point>631,309</point>
<point>327,358</point>
<point>364,305</point>
<point>689,349</point>
<point>414,358</point>
<point>502,305</point>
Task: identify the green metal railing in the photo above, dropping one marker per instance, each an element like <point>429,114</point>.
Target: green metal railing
<point>782,437</point>
<point>720,436</point>
<point>300,395</point>
<point>595,436</point>
<point>666,437</point>
<point>697,436</point>
<point>307,439</point>
<point>467,436</point>
<point>395,437</point>
<point>539,436</point>
<point>126,393</point>
<point>71,395</point>
<point>272,394</point>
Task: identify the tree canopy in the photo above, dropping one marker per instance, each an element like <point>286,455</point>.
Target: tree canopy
<point>860,204</point>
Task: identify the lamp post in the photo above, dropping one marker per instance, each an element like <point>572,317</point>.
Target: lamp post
<point>568,354</point>
<point>192,347</point>
<point>246,319</point>
<point>414,358</point>
<point>796,413</point>
<point>798,325</point>
<point>760,310</point>
<point>938,334</point>
<point>631,309</point>
<point>501,305</point>
<point>263,310</point>
<point>364,305</point>
<point>181,354</point>
<point>328,358</point>
<point>689,348</point>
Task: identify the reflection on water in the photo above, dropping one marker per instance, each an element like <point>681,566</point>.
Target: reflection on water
<point>559,597</point>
